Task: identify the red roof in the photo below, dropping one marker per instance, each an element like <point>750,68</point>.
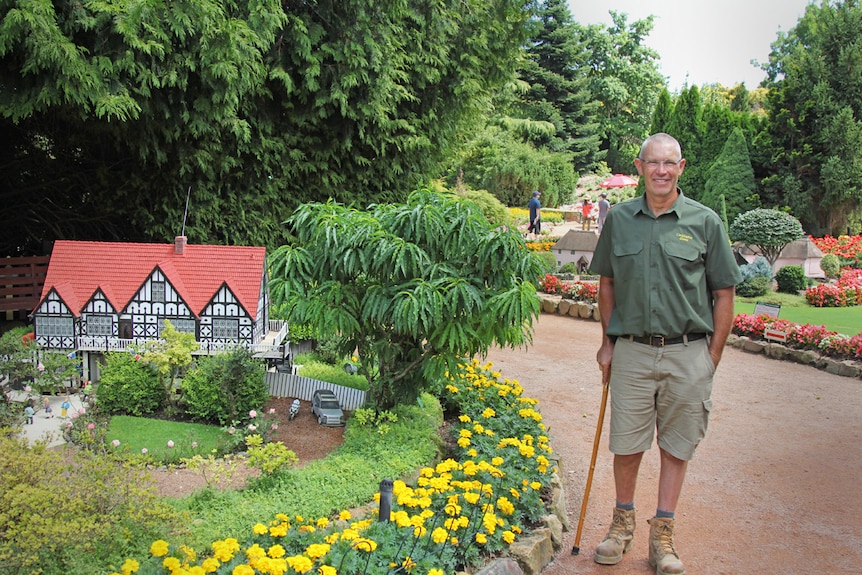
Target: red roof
<point>77,269</point>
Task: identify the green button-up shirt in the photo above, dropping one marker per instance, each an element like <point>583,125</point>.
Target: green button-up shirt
<point>664,268</point>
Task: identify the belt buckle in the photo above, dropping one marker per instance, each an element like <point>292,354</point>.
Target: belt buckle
<point>657,340</point>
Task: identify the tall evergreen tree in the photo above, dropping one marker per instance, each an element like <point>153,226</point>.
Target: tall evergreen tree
<point>556,68</point>
<point>662,114</point>
<point>731,177</point>
<point>687,127</point>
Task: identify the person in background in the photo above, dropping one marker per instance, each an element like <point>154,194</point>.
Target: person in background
<point>666,290</point>
<point>46,405</point>
<point>604,206</point>
<point>29,412</point>
<point>64,407</point>
<point>586,214</point>
<point>535,208</point>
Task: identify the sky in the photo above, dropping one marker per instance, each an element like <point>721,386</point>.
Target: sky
<point>703,41</point>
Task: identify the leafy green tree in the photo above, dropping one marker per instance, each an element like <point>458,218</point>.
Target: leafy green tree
<point>815,106</point>
<point>686,125</point>
<point>111,113</point>
<point>55,371</point>
<point>731,177</point>
<point>766,232</point>
<point>625,79</point>
<point>171,354</point>
<point>18,355</point>
<point>510,169</point>
<point>413,287</point>
<point>662,114</point>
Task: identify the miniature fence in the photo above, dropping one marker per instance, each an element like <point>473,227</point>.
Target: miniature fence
<point>289,385</point>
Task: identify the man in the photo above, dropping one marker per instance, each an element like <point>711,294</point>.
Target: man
<point>535,214</point>
<point>604,206</point>
<point>666,302</point>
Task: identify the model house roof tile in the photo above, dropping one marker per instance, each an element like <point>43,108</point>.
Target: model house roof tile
<point>78,268</point>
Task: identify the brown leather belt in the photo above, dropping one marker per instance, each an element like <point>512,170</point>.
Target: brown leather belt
<point>661,341</point>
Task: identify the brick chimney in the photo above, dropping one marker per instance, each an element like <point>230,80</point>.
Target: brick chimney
<point>179,245</point>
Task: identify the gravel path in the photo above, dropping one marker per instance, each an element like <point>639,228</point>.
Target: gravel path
<point>773,489</point>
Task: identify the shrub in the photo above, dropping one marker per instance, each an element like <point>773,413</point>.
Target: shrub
<point>791,279</point>
<point>62,512</point>
<point>225,387</point>
<point>831,266</point>
<point>755,286</point>
<point>333,374</point>
<point>759,267</point>
<point>549,260</point>
<point>569,268</point>
<point>129,386</point>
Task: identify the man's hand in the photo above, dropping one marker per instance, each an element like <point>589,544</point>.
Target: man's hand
<point>604,357</point>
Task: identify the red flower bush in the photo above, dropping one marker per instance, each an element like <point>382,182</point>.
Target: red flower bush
<point>807,336</point>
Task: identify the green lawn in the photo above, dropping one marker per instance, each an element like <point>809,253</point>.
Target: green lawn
<point>846,320</point>
<point>137,433</point>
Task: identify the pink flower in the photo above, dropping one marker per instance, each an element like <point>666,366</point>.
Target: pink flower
<point>116,443</point>
<point>252,413</point>
<point>231,430</point>
<point>252,427</point>
<point>194,444</point>
<point>271,410</point>
<point>170,443</point>
<point>69,424</point>
<point>28,389</point>
<point>144,450</point>
<point>274,426</point>
<point>91,426</point>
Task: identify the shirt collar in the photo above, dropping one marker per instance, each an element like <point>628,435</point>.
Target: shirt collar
<point>676,207</point>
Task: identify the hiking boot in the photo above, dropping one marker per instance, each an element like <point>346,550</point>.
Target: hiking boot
<point>619,538</point>
<point>662,554</point>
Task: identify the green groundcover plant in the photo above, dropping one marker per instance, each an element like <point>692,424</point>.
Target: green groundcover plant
<point>469,507</point>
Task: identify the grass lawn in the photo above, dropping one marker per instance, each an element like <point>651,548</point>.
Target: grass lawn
<point>845,320</point>
<point>137,433</point>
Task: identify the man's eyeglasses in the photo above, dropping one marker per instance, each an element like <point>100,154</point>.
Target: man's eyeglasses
<point>663,164</point>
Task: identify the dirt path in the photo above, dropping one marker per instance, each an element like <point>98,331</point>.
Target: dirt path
<point>773,489</point>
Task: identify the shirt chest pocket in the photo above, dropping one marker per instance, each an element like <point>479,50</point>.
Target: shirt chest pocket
<point>687,260</point>
<point>628,258</point>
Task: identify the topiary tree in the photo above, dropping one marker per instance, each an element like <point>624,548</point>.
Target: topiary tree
<point>831,266</point>
<point>412,287</point>
<point>791,279</point>
<point>766,232</point>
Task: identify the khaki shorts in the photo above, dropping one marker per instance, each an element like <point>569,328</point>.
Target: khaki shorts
<point>666,389</point>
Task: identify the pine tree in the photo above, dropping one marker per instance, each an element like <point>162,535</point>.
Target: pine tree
<point>731,177</point>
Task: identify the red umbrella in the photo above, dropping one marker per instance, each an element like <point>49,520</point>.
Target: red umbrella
<point>619,181</point>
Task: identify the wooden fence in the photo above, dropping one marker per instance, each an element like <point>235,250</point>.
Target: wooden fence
<point>289,385</point>
<point>21,281</point>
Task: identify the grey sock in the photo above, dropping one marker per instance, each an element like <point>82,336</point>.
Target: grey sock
<point>662,514</point>
<point>626,506</point>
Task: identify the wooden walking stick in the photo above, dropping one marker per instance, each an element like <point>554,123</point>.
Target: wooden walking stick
<point>576,549</point>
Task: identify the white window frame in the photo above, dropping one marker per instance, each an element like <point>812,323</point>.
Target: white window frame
<point>225,328</point>
<point>99,324</point>
<point>55,326</point>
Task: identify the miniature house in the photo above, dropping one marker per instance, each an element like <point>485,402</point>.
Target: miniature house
<point>112,296</point>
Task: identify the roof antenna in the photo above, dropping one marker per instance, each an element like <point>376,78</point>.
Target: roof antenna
<point>186,212</point>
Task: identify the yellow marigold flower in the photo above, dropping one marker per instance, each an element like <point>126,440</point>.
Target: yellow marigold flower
<point>279,530</point>
<point>535,485</point>
<point>243,570</point>
<point>210,564</point>
<point>464,418</point>
<point>189,553</point>
<point>451,388</point>
<point>196,570</point>
<point>527,451</point>
<point>439,535</point>
<point>505,506</point>
<point>435,572</point>
<point>307,529</point>
<point>508,537</point>
<point>489,521</point>
<point>419,531</point>
<point>463,521</point>
<point>488,413</point>
<point>327,570</point>
<point>317,550</point>
<point>259,529</point>
<point>255,552</point>
<point>471,497</point>
<point>276,551</point>
<point>159,548</point>
<point>322,523</point>
<point>479,428</point>
<point>472,452</point>
<point>481,538</point>
<point>426,514</point>
<point>349,534</point>
<point>515,493</point>
<point>300,563</point>
<point>515,529</point>
<point>171,563</point>
<point>130,566</point>
<point>453,541</point>
<point>465,433</point>
<point>364,544</point>
<point>344,515</point>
